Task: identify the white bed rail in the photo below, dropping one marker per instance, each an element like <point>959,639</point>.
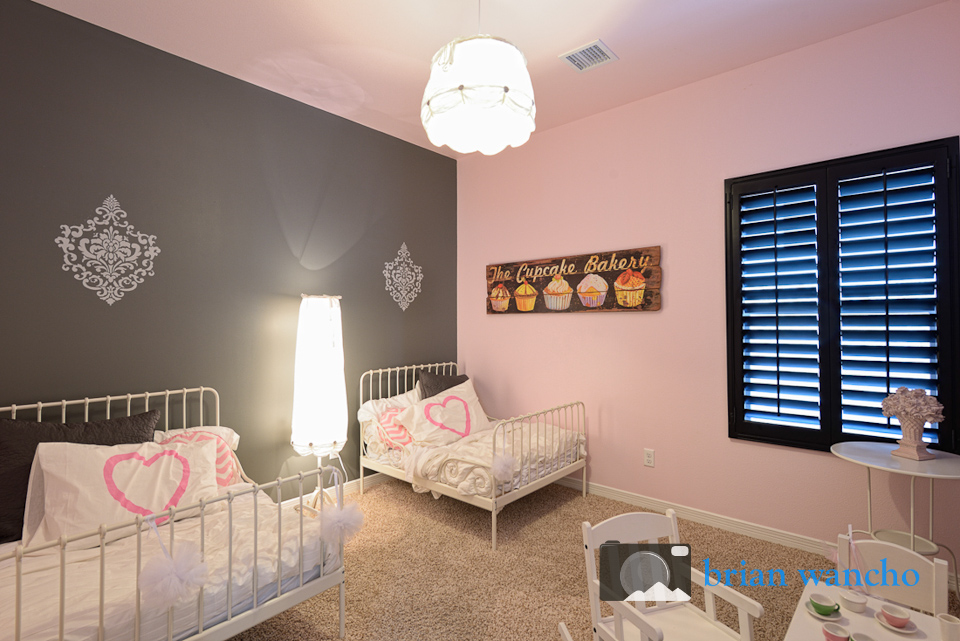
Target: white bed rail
<point>263,605</point>
<point>128,403</point>
<point>559,429</point>
<point>390,381</point>
<point>189,405</point>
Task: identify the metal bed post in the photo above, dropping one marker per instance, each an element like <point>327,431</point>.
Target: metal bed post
<point>170,523</point>
<point>137,615</point>
<point>203,557</point>
<point>362,447</point>
<point>18,605</point>
<point>338,491</point>
<point>581,430</point>
<point>63,586</point>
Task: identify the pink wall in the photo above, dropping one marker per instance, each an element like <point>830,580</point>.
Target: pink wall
<point>651,173</point>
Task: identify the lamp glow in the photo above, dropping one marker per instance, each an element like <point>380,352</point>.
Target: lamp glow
<point>319,387</point>
<point>479,96</point>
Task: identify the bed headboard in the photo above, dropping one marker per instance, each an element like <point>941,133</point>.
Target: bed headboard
<point>383,383</point>
<point>186,407</point>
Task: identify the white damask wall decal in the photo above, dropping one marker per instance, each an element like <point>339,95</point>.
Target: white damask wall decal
<point>106,253</point>
<point>403,278</point>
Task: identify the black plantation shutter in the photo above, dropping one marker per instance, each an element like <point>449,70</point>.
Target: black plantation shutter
<point>843,284</point>
<point>888,293</point>
<point>779,307</point>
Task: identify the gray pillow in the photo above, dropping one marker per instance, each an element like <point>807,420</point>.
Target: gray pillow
<point>432,384</point>
<point>18,444</point>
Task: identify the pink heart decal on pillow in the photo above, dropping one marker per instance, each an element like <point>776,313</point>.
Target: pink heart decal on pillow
<point>440,424</point>
<point>121,497</point>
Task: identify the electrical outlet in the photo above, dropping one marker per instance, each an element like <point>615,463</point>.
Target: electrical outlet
<point>648,457</point>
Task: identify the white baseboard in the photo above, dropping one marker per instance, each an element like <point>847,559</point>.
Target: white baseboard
<point>762,532</point>
<point>737,526</point>
<point>369,480</point>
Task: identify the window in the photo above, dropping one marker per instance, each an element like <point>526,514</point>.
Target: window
<point>841,287</point>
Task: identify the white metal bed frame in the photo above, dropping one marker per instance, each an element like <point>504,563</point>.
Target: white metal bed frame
<point>384,383</point>
<point>234,623</point>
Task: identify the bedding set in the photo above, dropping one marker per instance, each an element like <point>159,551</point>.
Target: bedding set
<point>64,480</point>
<point>439,432</point>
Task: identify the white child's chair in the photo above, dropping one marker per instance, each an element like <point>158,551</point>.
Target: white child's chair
<point>928,594</point>
<point>672,621</point>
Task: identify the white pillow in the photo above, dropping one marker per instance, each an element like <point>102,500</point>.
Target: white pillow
<point>371,411</point>
<point>232,438</point>
<point>446,417</point>
<point>84,486</point>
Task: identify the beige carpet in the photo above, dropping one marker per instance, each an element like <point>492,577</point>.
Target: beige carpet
<point>423,569</point>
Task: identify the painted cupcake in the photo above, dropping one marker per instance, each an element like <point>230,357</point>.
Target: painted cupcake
<point>526,296</point>
<point>500,298</point>
<point>629,287</point>
<point>557,294</point>
<point>592,290</point>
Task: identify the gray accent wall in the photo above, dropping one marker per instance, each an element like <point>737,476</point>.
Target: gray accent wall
<point>253,199</point>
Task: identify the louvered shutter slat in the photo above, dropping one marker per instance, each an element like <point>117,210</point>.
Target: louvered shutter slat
<point>888,294</point>
<point>779,307</point>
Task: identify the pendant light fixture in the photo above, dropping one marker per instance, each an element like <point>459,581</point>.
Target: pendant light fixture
<point>479,96</point>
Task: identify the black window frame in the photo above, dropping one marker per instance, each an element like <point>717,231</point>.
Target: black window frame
<point>943,153</point>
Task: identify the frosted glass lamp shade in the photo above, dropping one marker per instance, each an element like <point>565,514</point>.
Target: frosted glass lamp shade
<point>479,97</point>
<point>319,386</point>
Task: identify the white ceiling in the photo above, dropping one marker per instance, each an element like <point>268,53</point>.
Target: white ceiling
<point>368,60</point>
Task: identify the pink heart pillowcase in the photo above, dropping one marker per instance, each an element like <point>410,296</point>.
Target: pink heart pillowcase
<point>84,486</point>
<point>445,418</point>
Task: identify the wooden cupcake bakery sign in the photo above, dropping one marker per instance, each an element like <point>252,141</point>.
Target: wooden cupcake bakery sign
<point>626,280</point>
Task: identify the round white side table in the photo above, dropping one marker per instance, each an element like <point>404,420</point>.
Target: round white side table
<point>877,456</point>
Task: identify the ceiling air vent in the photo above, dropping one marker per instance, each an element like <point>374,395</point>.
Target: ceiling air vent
<point>589,56</point>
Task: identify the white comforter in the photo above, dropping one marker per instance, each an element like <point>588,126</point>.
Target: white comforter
<point>41,576</point>
<point>529,452</point>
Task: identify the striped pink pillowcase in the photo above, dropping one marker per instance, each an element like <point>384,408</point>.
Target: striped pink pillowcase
<point>227,472</point>
<point>392,432</point>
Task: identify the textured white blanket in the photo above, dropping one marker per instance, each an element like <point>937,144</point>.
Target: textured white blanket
<point>532,452</point>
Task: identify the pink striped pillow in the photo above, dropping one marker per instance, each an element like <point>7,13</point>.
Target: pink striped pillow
<point>393,432</point>
<point>228,471</point>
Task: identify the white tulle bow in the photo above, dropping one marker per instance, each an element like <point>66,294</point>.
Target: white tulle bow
<point>165,579</point>
<point>503,467</point>
<point>345,522</point>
